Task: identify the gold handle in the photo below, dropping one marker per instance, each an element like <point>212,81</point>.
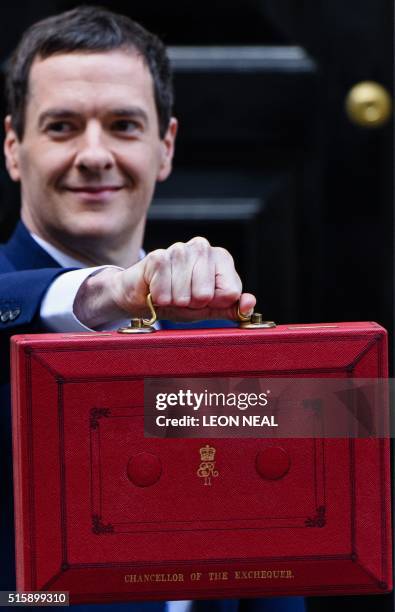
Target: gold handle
<point>141,326</point>
<point>154,318</point>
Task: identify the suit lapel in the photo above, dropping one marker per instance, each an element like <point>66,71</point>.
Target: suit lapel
<point>24,253</point>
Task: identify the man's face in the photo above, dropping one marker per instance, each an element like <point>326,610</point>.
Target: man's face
<point>91,152</point>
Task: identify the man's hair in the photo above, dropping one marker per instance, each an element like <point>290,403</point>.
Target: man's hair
<point>90,29</point>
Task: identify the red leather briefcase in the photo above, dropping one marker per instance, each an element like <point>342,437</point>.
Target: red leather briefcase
<point>111,515</point>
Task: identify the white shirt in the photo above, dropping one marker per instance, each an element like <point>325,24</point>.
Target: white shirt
<point>57,314</point>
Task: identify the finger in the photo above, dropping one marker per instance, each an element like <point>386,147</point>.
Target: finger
<point>228,285</point>
<point>247,301</point>
<point>247,304</point>
<point>181,274</point>
<point>203,273</point>
<point>157,274</point>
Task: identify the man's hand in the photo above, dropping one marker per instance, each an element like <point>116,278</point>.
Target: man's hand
<point>188,282</point>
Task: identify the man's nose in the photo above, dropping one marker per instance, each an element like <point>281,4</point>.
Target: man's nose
<point>93,152</point>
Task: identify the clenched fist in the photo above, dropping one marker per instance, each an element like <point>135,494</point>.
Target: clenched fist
<point>188,282</point>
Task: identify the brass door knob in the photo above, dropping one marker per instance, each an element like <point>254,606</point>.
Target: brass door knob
<point>368,104</point>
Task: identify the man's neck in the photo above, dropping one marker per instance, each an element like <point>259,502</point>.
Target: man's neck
<point>62,258</point>
<point>85,251</point>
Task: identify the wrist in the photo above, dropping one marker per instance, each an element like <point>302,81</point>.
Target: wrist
<point>95,303</point>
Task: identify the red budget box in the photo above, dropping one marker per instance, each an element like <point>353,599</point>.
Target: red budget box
<point>108,514</point>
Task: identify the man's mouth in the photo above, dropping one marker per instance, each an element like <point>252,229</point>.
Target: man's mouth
<point>94,193</point>
<point>93,188</point>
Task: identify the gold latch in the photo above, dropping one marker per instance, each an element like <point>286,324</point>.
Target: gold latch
<point>253,321</point>
<point>140,325</point>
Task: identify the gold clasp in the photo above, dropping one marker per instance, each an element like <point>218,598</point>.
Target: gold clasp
<point>253,321</point>
<point>140,325</point>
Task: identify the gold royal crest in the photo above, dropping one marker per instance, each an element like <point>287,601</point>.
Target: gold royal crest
<point>207,466</point>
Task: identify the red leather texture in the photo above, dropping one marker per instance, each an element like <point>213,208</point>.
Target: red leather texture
<point>109,515</point>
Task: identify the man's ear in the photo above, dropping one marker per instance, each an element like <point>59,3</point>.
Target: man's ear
<point>11,149</point>
<point>167,150</point>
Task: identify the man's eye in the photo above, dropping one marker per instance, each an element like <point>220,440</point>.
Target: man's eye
<point>125,125</point>
<point>60,127</point>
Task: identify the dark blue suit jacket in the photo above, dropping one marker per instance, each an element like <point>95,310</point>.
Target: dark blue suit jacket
<point>26,272</point>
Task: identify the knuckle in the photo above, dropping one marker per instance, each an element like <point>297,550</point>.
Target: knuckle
<point>177,250</point>
<point>161,298</point>
<point>203,296</point>
<point>201,243</point>
<point>182,301</point>
<point>221,252</point>
<point>158,258</point>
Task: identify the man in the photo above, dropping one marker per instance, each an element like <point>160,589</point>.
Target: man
<point>89,134</point>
